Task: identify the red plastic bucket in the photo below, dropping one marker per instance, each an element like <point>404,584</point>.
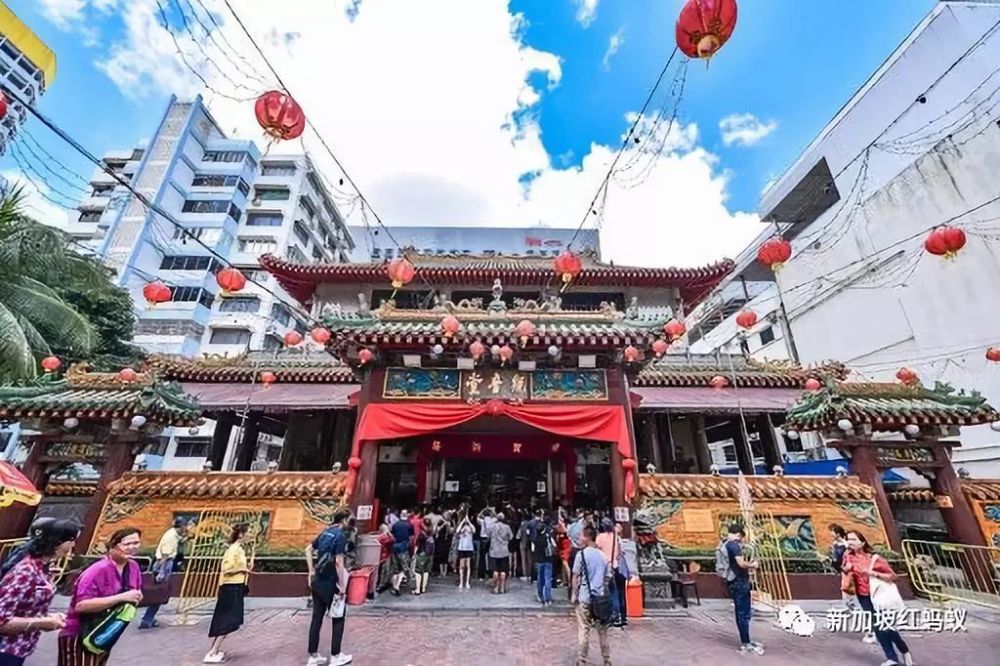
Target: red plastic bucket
<point>357,585</point>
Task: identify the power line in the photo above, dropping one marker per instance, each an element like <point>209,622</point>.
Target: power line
<point>625,142</point>
<point>253,74</point>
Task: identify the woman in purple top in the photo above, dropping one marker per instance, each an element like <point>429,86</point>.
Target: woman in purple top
<point>27,590</point>
<point>114,579</point>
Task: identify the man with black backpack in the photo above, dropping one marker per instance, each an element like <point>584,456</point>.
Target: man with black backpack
<point>543,547</point>
<point>328,583</point>
<point>593,604</point>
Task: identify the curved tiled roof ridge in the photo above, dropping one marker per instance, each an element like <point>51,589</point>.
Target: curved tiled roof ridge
<point>761,487</point>
<point>256,485</point>
<point>307,368</point>
<point>698,370</point>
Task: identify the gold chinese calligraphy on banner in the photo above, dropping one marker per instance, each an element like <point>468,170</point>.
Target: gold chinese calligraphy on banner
<point>490,384</point>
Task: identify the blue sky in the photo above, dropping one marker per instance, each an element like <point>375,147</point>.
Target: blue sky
<point>791,64</point>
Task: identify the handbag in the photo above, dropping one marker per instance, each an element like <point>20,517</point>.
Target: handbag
<point>338,607</point>
<point>601,607</point>
<point>100,631</point>
<point>884,594</point>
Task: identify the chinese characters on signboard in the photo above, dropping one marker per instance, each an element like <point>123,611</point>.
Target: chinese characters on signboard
<point>495,384</point>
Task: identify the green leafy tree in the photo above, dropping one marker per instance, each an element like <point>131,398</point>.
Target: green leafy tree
<point>46,293</point>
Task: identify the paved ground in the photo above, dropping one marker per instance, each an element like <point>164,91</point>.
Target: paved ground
<point>467,637</point>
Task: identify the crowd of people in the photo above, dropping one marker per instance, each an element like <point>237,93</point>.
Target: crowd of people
<point>582,551</point>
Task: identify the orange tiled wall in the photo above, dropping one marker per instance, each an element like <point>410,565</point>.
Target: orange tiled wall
<point>668,516</point>
<point>990,527</point>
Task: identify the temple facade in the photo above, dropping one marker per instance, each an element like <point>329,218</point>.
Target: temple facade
<point>492,381</point>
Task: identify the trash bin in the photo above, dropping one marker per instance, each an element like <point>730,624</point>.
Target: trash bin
<point>369,550</point>
<point>633,598</point>
<point>357,585</point>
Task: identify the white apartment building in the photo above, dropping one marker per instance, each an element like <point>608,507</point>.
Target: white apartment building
<point>917,146</point>
<point>27,68</point>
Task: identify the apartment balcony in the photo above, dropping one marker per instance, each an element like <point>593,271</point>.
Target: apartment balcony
<point>100,202</point>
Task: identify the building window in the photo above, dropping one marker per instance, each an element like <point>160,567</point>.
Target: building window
<point>257,245</point>
<point>206,206</point>
<point>241,304</point>
<point>278,170</point>
<point>229,336</point>
<point>191,294</point>
<point>766,336</point>
<point>301,233</point>
<point>192,447</point>
<point>189,263</point>
<point>264,220</point>
<point>216,180</point>
<point>280,314</point>
<point>308,208</point>
<point>272,193</point>
<point>272,343</point>
<point>102,190</point>
<point>90,216</point>
<point>226,156</point>
<point>235,213</point>
<point>317,255</point>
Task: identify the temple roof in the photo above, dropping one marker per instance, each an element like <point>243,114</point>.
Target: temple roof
<point>98,395</point>
<point>219,485</point>
<point>699,369</point>
<point>289,366</point>
<point>889,407</point>
<point>986,490</point>
<point>761,487</point>
<point>301,280</point>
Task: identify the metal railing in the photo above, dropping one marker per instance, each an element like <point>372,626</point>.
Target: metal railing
<point>57,568</point>
<point>954,572</point>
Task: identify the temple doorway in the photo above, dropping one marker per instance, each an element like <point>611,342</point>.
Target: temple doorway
<point>522,484</point>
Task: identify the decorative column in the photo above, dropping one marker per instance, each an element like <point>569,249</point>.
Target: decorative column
<point>768,441</point>
<point>864,464</point>
<point>220,439</point>
<point>701,451</point>
<point>364,489</point>
<point>120,458</point>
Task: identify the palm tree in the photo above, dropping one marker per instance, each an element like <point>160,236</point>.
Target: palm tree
<point>33,259</point>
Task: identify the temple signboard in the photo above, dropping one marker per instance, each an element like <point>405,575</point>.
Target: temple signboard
<point>495,384</point>
<point>74,452</point>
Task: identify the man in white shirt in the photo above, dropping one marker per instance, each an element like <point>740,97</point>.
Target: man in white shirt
<point>163,567</point>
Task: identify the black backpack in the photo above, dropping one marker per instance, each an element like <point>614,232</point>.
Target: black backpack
<point>543,545</point>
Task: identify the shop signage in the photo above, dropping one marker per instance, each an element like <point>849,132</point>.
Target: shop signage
<point>486,384</point>
<point>74,451</point>
<point>622,514</point>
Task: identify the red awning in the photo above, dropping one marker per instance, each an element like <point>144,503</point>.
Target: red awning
<point>707,399</point>
<point>276,397</point>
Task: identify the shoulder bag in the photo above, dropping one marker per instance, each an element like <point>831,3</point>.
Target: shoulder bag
<point>601,608</point>
<point>100,631</point>
<point>884,594</point>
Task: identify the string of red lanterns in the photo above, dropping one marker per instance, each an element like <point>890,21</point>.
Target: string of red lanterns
<point>524,330</point>
<point>774,252</point>
<point>365,356</point>
<point>993,354</point>
<point>660,347</point>
<point>401,272</point>
<point>230,280</point>
<point>945,241</point>
<point>156,292</point>
<point>320,335</point>
<point>675,329</point>
<point>280,116</point>
<point>293,339</point>
<point>907,376</point>
<point>567,266</point>
<point>450,325</point>
<point>746,319</point>
<point>704,26</point>
<point>477,349</point>
<point>631,354</point>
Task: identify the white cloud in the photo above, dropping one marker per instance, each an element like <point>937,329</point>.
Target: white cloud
<point>614,44</point>
<point>35,203</point>
<point>745,129</point>
<point>71,14</point>
<point>586,12</point>
<point>442,135</point>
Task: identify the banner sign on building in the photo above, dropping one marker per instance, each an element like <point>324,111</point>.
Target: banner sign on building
<point>495,384</point>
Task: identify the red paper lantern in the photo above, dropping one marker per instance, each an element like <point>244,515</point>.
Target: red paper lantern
<point>628,464</point>
<point>945,241</point>
<point>704,26</point>
<point>660,347</point>
<point>354,463</point>
<point>281,116</point>
<point>567,266</point>
<point>675,329</point>
<point>400,271</point>
<point>774,252</point>
<point>719,382</point>
<point>524,330</point>
<point>365,355</point>
<point>746,319</point>
<point>156,292</point>
<point>631,354</point>
<point>907,376</point>
<point>3,106</point>
<point>293,338</point>
<point>993,354</point>
<point>320,335</point>
<point>51,363</point>
<point>230,280</point>
<point>267,378</point>
<point>506,353</point>
<point>477,349</point>
<point>127,375</point>
<point>813,384</point>
<point>450,325</point>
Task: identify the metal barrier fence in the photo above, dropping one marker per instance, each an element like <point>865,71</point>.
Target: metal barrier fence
<point>57,567</point>
<point>203,556</point>
<point>954,572</point>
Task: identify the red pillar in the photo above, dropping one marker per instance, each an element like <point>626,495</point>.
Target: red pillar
<point>364,489</point>
<point>864,465</point>
<point>120,457</point>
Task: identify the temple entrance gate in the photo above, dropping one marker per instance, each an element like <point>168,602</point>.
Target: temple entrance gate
<point>771,589</point>
<point>204,552</point>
